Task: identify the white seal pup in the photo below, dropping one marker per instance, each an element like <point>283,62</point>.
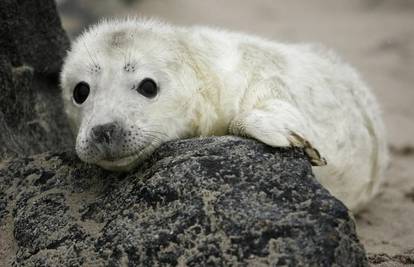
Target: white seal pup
<point>130,85</point>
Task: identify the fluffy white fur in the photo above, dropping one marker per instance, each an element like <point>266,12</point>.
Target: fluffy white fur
<point>215,82</point>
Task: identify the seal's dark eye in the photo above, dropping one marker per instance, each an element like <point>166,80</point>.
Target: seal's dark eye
<point>148,88</point>
<point>81,92</point>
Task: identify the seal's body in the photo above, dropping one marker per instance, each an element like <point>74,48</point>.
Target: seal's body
<point>130,85</point>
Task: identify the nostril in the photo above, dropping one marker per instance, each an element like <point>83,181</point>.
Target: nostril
<point>104,133</point>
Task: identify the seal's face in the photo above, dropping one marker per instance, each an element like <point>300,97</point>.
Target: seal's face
<point>123,95</point>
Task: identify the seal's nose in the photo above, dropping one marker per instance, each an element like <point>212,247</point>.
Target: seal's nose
<point>105,133</point>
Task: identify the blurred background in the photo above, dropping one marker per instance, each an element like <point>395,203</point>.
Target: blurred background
<point>376,36</point>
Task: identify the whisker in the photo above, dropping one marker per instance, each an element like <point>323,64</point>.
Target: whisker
<point>155,134</point>
<point>89,53</point>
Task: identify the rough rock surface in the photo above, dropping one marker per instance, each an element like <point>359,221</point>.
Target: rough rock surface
<point>214,201</point>
<point>385,260</point>
<point>32,45</point>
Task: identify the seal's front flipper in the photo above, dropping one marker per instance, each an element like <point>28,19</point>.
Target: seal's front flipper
<point>278,124</point>
<point>313,154</point>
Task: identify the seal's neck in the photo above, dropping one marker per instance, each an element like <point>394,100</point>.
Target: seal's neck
<point>208,117</point>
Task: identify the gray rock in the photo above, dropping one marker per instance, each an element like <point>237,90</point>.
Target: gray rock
<point>32,45</point>
<point>215,201</point>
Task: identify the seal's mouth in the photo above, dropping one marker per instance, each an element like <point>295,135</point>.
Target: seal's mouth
<point>119,164</point>
<point>126,163</point>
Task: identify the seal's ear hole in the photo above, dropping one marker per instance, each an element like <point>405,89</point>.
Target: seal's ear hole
<point>148,88</point>
<point>81,92</point>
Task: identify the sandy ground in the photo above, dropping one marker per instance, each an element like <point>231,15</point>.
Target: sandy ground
<point>376,36</point>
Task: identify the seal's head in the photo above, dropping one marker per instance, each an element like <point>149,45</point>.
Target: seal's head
<point>125,92</point>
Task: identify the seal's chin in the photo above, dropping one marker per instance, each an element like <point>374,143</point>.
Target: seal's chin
<point>125,163</point>
<point>122,164</point>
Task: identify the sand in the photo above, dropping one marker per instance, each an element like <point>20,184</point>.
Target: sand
<point>376,36</point>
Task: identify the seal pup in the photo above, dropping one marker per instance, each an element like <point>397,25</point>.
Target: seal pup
<point>130,84</point>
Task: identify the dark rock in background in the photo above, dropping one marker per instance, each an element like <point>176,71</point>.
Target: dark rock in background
<point>215,201</point>
<point>32,46</point>
<point>31,34</point>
